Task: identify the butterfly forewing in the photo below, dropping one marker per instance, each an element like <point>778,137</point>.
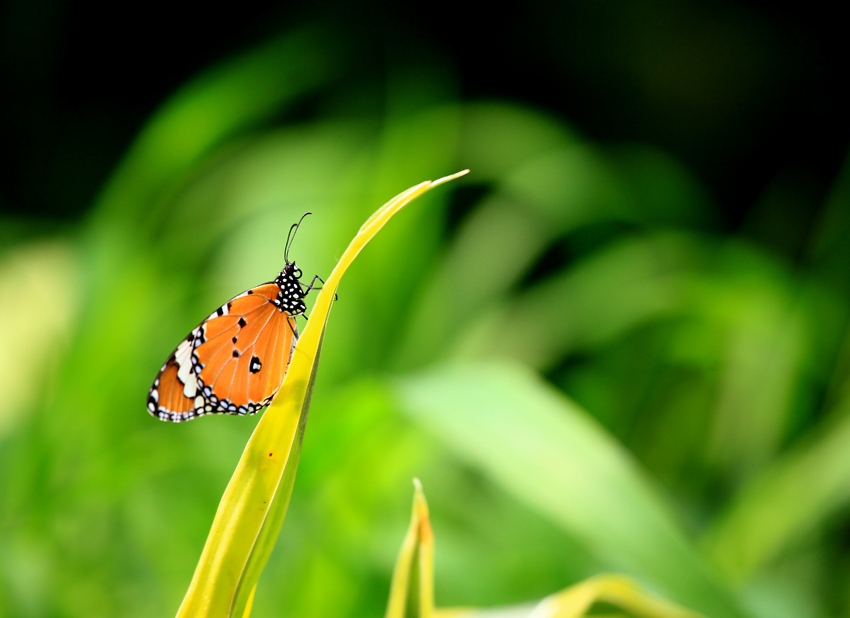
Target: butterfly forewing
<point>244,366</point>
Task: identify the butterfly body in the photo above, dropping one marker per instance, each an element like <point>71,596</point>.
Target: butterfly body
<point>235,360</point>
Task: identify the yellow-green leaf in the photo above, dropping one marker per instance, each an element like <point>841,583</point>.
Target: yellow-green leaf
<point>254,504</point>
<point>412,588</point>
<point>577,600</point>
<point>617,590</point>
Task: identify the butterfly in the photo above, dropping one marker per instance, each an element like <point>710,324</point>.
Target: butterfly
<point>235,360</point>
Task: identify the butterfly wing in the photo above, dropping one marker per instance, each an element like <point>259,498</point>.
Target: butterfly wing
<point>245,352</point>
<point>175,394</point>
<point>232,363</point>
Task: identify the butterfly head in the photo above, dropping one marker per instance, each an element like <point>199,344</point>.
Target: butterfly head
<point>290,272</point>
<point>291,295</point>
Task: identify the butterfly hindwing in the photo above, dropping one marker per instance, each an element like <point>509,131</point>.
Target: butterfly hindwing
<point>176,393</point>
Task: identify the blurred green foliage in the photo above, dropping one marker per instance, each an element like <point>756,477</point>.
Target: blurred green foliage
<point>585,371</point>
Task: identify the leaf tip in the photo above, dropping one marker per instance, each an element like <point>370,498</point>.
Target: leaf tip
<point>445,179</point>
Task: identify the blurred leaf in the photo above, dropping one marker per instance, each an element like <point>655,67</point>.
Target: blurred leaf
<point>39,284</point>
<point>520,611</point>
<point>500,137</point>
<point>830,251</point>
<point>572,187</point>
<point>412,587</point>
<point>583,307</point>
<point>494,247</point>
<point>763,315</point>
<point>561,186</point>
<point>801,490</point>
<point>660,188</point>
<point>231,97</point>
<point>577,600</point>
<point>254,504</point>
<point>540,447</point>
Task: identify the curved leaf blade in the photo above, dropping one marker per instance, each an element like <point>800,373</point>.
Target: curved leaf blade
<point>254,504</point>
<point>412,587</point>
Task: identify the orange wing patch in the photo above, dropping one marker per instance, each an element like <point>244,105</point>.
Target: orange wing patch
<point>170,392</point>
<point>234,361</point>
<point>243,367</point>
<point>175,394</point>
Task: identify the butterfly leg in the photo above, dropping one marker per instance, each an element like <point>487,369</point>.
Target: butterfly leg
<point>294,332</point>
<point>312,286</point>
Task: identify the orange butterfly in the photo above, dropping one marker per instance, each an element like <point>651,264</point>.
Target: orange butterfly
<point>235,360</point>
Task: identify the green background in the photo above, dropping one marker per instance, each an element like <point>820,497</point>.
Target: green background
<point>618,344</point>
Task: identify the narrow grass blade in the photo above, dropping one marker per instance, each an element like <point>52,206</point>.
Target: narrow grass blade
<point>412,588</point>
<point>254,504</point>
<point>622,592</point>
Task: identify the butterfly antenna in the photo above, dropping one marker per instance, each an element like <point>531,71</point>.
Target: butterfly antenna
<point>291,236</point>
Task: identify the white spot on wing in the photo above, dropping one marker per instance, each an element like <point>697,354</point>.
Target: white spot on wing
<point>183,358</point>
